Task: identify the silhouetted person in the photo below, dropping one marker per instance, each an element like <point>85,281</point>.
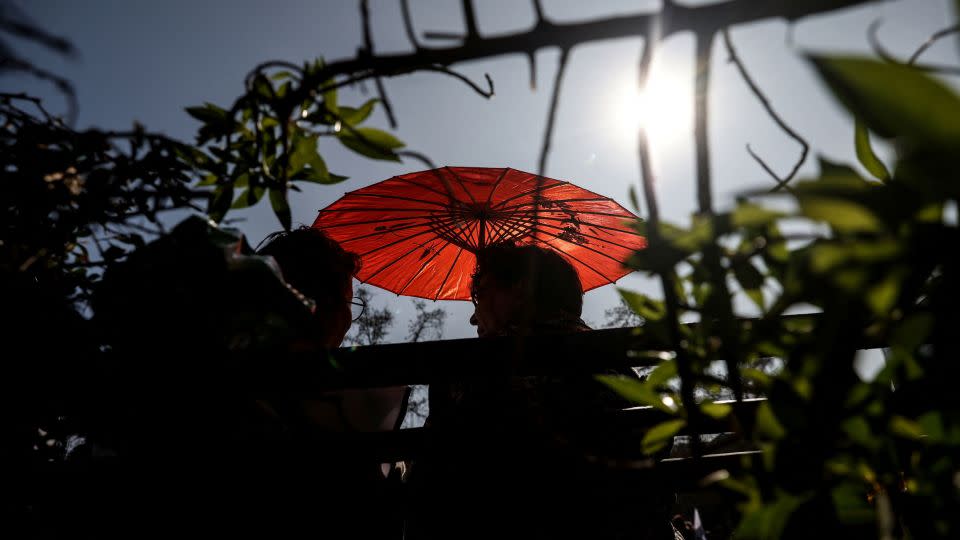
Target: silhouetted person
<point>514,457</point>
<point>197,310</point>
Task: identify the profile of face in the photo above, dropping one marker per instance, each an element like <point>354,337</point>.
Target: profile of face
<point>495,306</point>
<point>340,319</point>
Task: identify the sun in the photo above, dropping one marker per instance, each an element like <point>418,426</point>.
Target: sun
<point>664,109</point>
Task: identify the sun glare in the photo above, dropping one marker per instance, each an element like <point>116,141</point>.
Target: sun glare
<point>664,109</point>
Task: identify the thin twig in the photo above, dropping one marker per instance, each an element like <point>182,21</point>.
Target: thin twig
<point>940,34</point>
<point>63,85</point>
<point>272,64</point>
<point>488,93</point>
<point>879,50</point>
<point>782,183</point>
<point>21,96</point>
<point>552,114</point>
<point>408,24</point>
<point>368,50</point>
<point>470,20</point>
<point>804,146</point>
<point>387,106</point>
<point>417,156</point>
<point>538,11</point>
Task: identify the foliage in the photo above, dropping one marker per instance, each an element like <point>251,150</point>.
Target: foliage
<point>839,455</point>
<point>269,139</point>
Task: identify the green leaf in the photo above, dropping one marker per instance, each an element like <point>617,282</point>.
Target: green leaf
<point>661,434</point>
<point>893,99</point>
<point>642,305</point>
<point>664,371</point>
<point>756,296</point>
<point>352,116</point>
<point>844,216</point>
<point>208,113</point>
<point>912,332</point>
<point>882,297</point>
<point>767,423</point>
<point>748,214</point>
<point>747,274</point>
<point>220,202</point>
<point>330,97</point>
<point>699,234</point>
<point>635,391</point>
<point>262,87</point>
<point>634,202</point>
<point>371,142</point>
<point>770,521</point>
<point>282,75</point>
<point>278,200</point>
<point>906,428</point>
<point>249,197</point>
<point>859,432</point>
<point>865,152</point>
<point>851,504</point>
<point>715,410</point>
<point>305,161</point>
<point>208,180</point>
<point>932,425</point>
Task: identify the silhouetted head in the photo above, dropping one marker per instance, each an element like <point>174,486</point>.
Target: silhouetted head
<point>317,267</point>
<point>517,287</point>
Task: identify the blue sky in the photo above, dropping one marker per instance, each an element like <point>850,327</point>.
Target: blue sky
<point>146,61</point>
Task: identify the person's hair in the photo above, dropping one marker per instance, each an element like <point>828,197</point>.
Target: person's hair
<point>551,283</point>
<point>312,262</point>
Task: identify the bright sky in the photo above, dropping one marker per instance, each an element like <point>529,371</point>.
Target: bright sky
<point>146,61</point>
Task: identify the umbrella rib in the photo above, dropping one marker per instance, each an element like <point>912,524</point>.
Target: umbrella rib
<point>540,189</point>
<point>583,246</point>
<point>365,209</point>
<point>596,225</point>
<point>588,212</point>
<point>450,271</point>
<point>458,233</point>
<point>367,222</point>
<point>463,187</point>
<point>498,230</point>
<point>399,198</point>
<point>423,186</point>
<point>590,236</point>
<point>384,246</point>
<point>595,271</point>
<point>423,266</point>
<point>532,203</point>
<point>385,231</point>
<point>496,184</point>
<point>516,225</point>
<point>394,261</point>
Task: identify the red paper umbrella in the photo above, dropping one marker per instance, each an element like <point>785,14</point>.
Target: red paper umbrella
<point>417,233</point>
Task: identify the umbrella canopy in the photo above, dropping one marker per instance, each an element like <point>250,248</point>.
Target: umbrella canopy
<point>417,233</point>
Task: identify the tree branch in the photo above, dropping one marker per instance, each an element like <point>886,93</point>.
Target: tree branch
<point>667,275</point>
<point>704,19</point>
<point>701,91</point>
<point>804,146</point>
<point>552,114</point>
